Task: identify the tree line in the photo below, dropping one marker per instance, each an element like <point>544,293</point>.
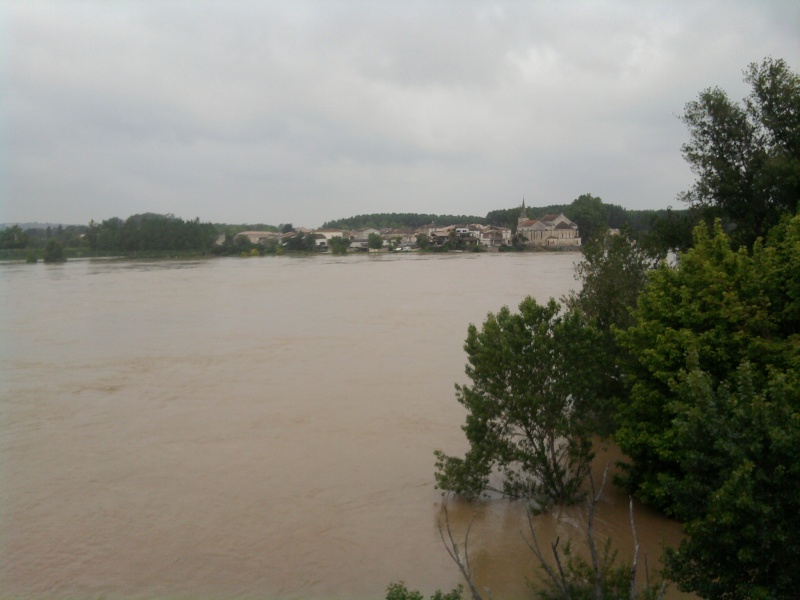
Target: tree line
<point>691,366</point>
<point>140,234</point>
<point>400,221</point>
<point>150,232</point>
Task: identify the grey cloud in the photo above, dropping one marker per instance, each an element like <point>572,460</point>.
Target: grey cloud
<point>307,111</point>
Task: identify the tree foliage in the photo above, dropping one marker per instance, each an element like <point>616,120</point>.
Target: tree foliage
<point>721,306</point>
<point>613,272</point>
<point>702,354</point>
<point>713,423</point>
<point>590,214</point>
<point>529,406</point>
<point>399,221</point>
<point>713,427</point>
<point>399,591</point>
<point>17,241</point>
<point>13,238</point>
<point>747,155</point>
<point>339,245</point>
<point>374,241</point>
<point>670,231</point>
<point>150,232</point>
<point>300,242</point>
<point>235,245</point>
<point>741,455</point>
<point>54,252</point>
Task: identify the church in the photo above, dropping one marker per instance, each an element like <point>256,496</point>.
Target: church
<point>549,230</point>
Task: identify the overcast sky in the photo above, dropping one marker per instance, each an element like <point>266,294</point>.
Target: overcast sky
<point>303,112</point>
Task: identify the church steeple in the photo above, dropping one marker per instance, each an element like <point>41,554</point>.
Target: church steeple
<point>523,214</point>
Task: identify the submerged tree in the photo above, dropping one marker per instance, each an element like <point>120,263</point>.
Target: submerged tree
<point>568,576</point>
<point>723,307</point>
<point>530,406</point>
<point>713,426</point>
<point>54,252</point>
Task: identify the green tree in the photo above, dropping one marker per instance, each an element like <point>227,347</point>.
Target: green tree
<point>374,241</point>
<point>150,232</point>
<point>613,272</point>
<point>506,217</point>
<point>242,244</point>
<point>13,238</point>
<point>399,591</point>
<point>589,213</point>
<point>713,428</point>
<point>92,234</point>
<point>747,156</point>
<point>529,406</point>
<point>271,246</point>
<point>741,440</point>
<point>109,235</point>
<point>339,245</point>
<point>399,221</point>
<point>423,241</point>
<point>54,252</point>
<point>722,307</point>
<point>300,242</point>
<point>670,231</point>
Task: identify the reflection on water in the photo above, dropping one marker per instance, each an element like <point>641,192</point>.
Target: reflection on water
<point>244,428</point>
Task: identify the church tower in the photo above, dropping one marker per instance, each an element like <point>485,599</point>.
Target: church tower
<point>523,214</point>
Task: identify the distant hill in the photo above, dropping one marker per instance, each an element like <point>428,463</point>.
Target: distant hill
<point>400,221</point>
<point>610,215</point>
<point>36,225</point>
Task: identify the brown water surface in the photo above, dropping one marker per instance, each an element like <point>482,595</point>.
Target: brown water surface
<point>251,428</point>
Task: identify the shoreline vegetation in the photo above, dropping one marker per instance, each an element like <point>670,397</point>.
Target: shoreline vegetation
<point>164,236</point>
<point>691,366</point>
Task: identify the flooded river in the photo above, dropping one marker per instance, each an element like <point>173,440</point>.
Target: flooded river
<point>254,428</point>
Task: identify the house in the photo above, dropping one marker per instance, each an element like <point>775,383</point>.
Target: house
<point>492,236</point>
<point>258,237</point>
<point>323,236</point>
<point>360,238</point>
<point>549,230</point>
<point>438,236</point>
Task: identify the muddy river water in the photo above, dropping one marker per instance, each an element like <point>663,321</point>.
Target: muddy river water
<point>255,428</point>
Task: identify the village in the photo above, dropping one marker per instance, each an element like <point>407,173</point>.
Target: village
<point>550,231</point>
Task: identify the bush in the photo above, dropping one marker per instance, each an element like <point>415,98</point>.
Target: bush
<point>398,591</point>
<point>54,252</point>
